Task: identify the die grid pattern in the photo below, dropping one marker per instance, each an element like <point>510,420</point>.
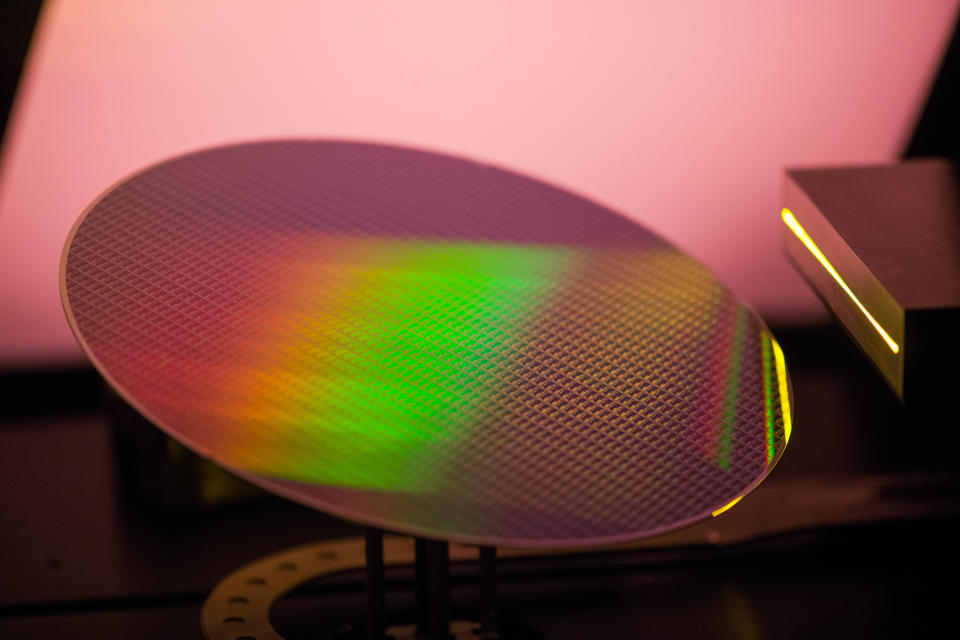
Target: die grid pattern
<point>425,343</point>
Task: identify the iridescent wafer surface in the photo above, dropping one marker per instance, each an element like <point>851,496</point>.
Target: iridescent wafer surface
<point>426,344</point>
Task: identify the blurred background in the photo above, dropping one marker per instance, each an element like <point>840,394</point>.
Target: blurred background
<point>681,116</point>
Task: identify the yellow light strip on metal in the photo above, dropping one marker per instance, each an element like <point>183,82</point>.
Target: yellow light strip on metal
<point>809,244</point>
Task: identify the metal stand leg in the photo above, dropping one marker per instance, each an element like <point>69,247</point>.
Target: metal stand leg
<point>376,591</point>
<point>488,591</point>
<point>432,583</point>
<point>420,586</point>
<point>438,572</point>
<point>433,589</point>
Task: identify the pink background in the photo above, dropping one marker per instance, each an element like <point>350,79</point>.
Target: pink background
<point>679,114</point>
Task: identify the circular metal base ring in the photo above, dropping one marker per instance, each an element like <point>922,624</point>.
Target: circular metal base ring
<point>238,608</point>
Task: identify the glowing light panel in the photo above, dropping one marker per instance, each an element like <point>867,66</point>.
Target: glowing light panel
<point>799,231</point>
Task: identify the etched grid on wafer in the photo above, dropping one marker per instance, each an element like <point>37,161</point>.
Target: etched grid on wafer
<point>426,343</point>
